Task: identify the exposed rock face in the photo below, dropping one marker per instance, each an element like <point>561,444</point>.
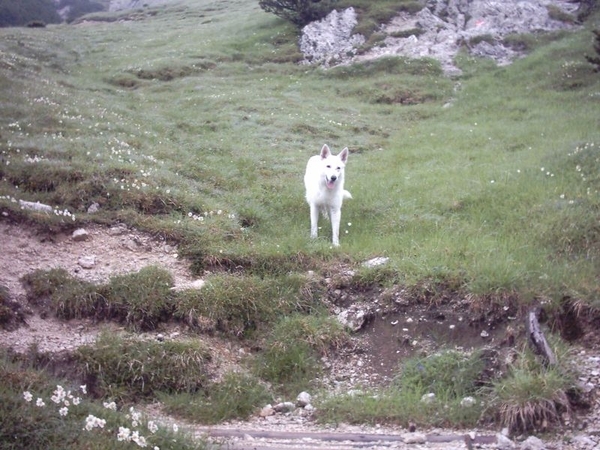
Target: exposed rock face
<point>440,29</point>
<point>331,38</point>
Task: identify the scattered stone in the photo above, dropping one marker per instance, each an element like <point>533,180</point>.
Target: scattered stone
<point>503,442</point>
<point>266,411</point>
<point>80,235</point>
<point>117,230</point>
<point>87,262</point>
<point>428,398</point>
<point>160,337</point>
<point>412,427</point>
<point>196,284</point>
<point>467,402</point>
<point>284,407</point>
<point>375,262</point>
<point>353,318</point>
<point>532,443</point>
<point>414,438</point>
<point>35,206</point>
<point>93,208</point>
<point>303,399</point>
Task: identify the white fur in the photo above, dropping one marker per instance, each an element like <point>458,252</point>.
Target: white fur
<point>324,182</point>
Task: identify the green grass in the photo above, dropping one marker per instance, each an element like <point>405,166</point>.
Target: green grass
<point>129,369</point>
<point>236,396</point>
<point>194,122</point>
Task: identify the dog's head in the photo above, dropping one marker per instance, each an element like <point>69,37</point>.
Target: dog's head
<point>333,166</point>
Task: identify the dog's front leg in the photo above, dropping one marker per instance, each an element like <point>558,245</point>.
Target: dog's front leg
<point>314,220</point>
<point>335,214</point>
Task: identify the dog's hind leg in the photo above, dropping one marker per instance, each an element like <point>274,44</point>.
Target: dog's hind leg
<point>314,220</point>
<point>335,214</point>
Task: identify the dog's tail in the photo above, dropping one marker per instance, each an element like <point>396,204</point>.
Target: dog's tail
<point>347,194</point>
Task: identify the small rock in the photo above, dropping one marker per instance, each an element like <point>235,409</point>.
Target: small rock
<point>412,427</point>
<point>484,334</point>
<point>117,230</point>
<point>35,206</point>
<point>414,438</point>
<point>504,443</point>
<point>533,443</point>
<point>266,411</point>
<point>303,399</point>
<point>93,208</point>
<point>375,262</point>
<point>428,398</point>
<point>87,262</point>
<point>284,407</point>
<point>467,402</point>
<point>80,235</point>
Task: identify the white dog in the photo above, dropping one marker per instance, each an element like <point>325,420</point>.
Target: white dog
<point>324,182</point>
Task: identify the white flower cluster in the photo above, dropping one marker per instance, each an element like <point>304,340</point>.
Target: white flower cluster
<point>129,435</point>
<point>64,399</point>
<point>208,214</point>
<point>65,213</point>
<point>92,422</point>
<point>60,397</point>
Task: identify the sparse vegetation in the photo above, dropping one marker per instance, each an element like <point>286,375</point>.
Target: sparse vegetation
<point>430,390</point>
<point>480,187</point>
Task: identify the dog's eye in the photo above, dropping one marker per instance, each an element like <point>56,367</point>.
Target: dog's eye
<point>328,166</point>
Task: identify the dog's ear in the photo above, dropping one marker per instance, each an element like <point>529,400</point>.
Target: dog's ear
<point>325,152</point>
<point>344,155</point>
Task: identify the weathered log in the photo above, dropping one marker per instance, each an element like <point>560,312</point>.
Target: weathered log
<point>537,338</point>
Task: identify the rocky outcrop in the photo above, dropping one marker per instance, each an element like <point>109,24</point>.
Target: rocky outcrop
<point>438,31</point>
<point>330,39</point>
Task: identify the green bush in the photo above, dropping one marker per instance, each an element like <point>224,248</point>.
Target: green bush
<point>299,12</point>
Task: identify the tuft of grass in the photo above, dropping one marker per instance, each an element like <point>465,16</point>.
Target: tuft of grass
<point>128,369</point>
<point>236,397</point>
<point>141,300</point>
<point>531,396</point>
<point>241,305</point>
<point>290,357</point>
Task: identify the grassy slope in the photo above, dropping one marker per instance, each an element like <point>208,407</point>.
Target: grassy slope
<point>454,192</point>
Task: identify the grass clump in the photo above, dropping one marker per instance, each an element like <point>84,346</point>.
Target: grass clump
<point>125,368</point>
<point>240,305</point>
<point>290,357</point>
<point>532,396</point>
<point>141,300</point>
<point>236,396</point>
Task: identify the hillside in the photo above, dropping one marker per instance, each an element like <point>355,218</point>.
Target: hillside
<point>155,236</point>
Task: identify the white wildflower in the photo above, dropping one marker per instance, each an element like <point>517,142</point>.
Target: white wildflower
<point>39,402</point>
<point>27,396</point>
<point>124,434</point>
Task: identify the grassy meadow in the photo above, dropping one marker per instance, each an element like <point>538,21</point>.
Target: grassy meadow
<point>194,121</point>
